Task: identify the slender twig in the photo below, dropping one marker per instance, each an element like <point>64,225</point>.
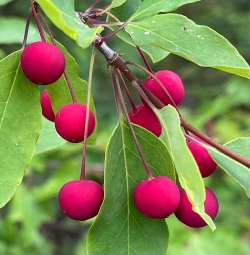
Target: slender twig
<point>130,98</point>
<point>124,110</point>
<point>144,59</point>
<point>37,21</point>
<point>26,32</point>
<point>84,151</point>
<point>52,38</point>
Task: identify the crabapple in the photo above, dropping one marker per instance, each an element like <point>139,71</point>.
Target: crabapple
<point>204,161</point>
<point>157,198</point>
<point>70,122</point>
<point>81,199</point>
<point>42,63</point>
<point>46,106</point>
<point>190,218</point>
<point>171,82</point>
<point>146,118</point>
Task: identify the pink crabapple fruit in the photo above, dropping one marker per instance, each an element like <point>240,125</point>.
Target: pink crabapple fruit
<point>190,218</point>
<point>206,164</point>
<point>46,106</point>
<point>81,199</point>
<point>157,197</point>
<point>143,116</point>
<point>70,122</point>
<point>171,82</point>
<point>42,63</point>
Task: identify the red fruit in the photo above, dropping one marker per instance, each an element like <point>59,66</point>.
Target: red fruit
<point>171,82</point>
<point>145,117</point>
<point>187,216</point>
<point>157,198</point>
<point>204,161</point>
<point>81,199</point>
<point>42,63</point>
<point>70,122</point>
<point>46,105</point>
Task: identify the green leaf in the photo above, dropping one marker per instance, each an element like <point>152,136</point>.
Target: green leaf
<point>49,139</point>
<point>154,53</point>
<point>3,2</point>
<point>59,91</point>
<point>149,8</point>
<point>181,36</point>
<point>232,167</point>
<point>20,123</point>
<point>125,227</point>
<point>117,3</point>
<point>186,167</point>
<point>62,14</point>
<point>12,31</point>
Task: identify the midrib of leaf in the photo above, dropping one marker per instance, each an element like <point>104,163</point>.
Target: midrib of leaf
<point>9,96</point>
<point>127,187</point>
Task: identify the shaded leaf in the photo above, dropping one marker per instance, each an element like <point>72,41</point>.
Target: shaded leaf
<point>48,139</point>
<point>181,36</point>
<point>62,14</point>
<point>12,30</point>
<point>3,2</point>
<point>20,123</point>
<point>186,167</point>
<point>125,227</point>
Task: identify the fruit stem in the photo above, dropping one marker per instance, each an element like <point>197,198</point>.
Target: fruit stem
<point>27,26</point>
<point>52,38</point>
<point>144,59</point>
<point>211,142</point>
<point>84,151</point>
<point>37,21</point>
<point>123,107</point>
<point>130,98</point>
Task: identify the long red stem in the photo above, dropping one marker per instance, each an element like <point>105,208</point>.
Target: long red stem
<point>124,110</point>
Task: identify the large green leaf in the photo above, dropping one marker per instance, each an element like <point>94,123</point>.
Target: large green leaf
<point>20,123</point>
<point>238,171</point>
<point>49,139</point>
<point>181,36</point>
<point>62,14</point>
<point>12,30</point>
<point>119,227</point>
<point>149,8</point>
<point>186,167</point>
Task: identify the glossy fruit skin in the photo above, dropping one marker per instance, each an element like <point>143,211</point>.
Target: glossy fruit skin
<point>172,83</point>
<point>81,199</point>
<point>42,63</point>
<point>70,122</point>
<point>143,116</point>
<point>46,106</point>
<point>187,216</point>
<point>204,161</point>
<point>157,198</point>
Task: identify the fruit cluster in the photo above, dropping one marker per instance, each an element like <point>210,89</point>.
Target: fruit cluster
<point>43,64</point>
<point>157,197</point>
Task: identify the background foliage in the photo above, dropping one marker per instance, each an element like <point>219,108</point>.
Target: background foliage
<point>216,102</point>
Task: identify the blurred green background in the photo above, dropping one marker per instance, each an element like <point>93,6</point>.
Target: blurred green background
<point>217,103</point>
